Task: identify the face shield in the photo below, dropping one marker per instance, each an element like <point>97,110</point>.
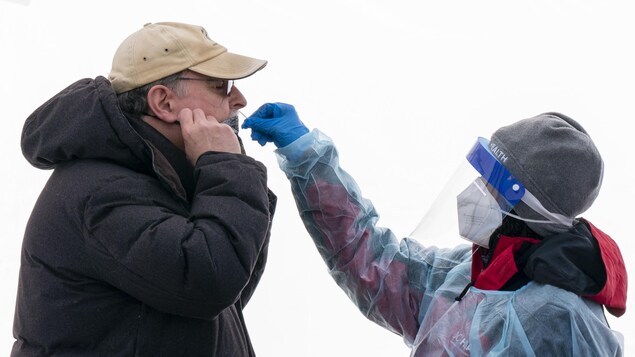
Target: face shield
<point>479,194</point>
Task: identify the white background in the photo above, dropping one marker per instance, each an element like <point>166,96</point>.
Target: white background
<point>403,87</point>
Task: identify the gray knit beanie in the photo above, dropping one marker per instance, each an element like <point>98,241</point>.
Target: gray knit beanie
<point>556,160</point>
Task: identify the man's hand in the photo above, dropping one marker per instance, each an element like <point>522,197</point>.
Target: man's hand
<point>204,133</point>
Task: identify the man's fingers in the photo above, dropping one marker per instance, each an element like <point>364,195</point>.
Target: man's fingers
<point>186,117</point>
<point>203,133</point>
<point>194,120</point>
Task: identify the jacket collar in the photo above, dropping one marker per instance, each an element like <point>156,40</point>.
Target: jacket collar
<point>168,162</point>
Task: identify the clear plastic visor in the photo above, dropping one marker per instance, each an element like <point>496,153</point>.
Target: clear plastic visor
<point>439,225</point>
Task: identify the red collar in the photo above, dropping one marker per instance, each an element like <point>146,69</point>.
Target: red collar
<point>502,266</point>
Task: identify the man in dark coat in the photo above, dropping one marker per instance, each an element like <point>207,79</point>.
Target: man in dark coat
<point>151,234</point>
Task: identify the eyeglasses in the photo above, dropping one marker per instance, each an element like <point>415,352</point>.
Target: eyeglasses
<point>222,85</point>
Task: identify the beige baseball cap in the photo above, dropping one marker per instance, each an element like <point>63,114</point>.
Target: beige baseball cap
<point>164,48</point>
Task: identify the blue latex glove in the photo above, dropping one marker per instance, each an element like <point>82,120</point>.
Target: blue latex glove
<point>275,122</point>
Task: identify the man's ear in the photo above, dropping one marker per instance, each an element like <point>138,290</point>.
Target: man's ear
<point>161,103</point>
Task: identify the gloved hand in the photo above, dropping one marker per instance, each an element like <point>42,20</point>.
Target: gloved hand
<point>275,122</point>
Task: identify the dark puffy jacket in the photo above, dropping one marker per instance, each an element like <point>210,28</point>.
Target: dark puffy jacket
<point>123,257</point>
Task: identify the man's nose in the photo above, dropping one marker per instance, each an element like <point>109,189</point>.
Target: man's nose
<point>236,99</point>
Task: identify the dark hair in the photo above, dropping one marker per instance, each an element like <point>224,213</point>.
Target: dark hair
<point>134,103</point>
<point>513,227</point>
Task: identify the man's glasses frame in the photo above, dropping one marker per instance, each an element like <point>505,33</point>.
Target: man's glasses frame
<point>224,83</point>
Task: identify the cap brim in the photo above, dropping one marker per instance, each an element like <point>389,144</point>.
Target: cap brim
<point>229,65</point>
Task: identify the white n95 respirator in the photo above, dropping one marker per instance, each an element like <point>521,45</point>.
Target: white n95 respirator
<point>479,213</point>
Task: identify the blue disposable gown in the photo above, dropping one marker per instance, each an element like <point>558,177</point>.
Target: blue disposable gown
<point>411,289</point>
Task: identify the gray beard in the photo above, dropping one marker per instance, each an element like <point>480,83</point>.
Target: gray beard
<point>233,123</point>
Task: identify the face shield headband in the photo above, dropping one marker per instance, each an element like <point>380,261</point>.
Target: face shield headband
<point>505,188</point>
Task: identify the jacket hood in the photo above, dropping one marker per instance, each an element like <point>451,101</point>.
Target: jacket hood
<point>614,291</point>
<point>583,260</point>
<point>82,121</point>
